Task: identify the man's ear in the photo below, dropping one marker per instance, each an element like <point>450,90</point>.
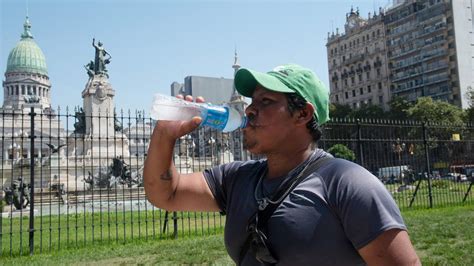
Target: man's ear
<point>305,114</point>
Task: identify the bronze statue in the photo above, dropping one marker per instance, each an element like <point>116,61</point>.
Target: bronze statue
<point>18,194</point>
<point>90,69</point>
<point>102,58</point>
<point>80,125</point>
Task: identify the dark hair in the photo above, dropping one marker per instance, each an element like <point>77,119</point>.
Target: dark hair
<point>295,103</point>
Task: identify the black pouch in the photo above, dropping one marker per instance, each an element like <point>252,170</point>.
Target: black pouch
<point>258,245</point>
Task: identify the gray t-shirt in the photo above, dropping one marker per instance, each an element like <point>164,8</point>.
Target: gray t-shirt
<point>324,221</point>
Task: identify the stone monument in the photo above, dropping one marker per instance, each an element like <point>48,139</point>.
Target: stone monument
<point>96,121</point>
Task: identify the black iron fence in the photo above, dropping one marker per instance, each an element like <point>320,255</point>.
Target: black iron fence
<point>71,180</point>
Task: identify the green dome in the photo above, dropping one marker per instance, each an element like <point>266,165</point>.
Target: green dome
<point>27,56</point>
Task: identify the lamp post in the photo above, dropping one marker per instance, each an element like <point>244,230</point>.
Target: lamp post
<point>398,148</point>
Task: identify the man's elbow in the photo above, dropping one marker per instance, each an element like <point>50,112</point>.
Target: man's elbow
<point>156,197</point>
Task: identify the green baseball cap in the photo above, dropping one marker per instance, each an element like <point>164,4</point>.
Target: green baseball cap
<point>289,78</point>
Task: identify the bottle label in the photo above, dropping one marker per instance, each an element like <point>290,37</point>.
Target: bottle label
<point>216,117</point>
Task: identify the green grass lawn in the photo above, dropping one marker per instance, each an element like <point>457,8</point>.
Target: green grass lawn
<point>55,233</point>
<point>443,236</point>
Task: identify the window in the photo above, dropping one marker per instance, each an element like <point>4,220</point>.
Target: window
<point>353,93</point>
<point>361,91</point>
<point>380,99</point>
<point>380,85</point>
<point>352,80</point>
<point>360,77</point>
<point>343,58</point>
<point>369,89</point>
<point>345,82</point>
<point>337,98</point>
<point>367,74</point>
<point>16,89</point>
<point>370,101</point>
<point>347,95</point>
<point>23,89</point>
<point>378,72</point>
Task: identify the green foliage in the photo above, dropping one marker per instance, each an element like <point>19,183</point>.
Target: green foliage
<point>368,111</point>
<point>341,151</point>
<point>469,118</point>
<point>428,110</point>
<point>399,108</point>
<point>425,109</point>
<point>339,110</point>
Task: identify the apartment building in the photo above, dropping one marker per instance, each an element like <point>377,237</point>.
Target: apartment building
<point>357,61</point>
<point>430,49</point>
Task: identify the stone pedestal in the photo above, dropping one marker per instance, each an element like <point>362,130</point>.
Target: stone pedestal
<point>11,212</point>
<point>103,137</point>
<point>99,147</point>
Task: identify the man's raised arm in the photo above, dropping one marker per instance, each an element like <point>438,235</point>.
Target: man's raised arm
<point>164,186</point>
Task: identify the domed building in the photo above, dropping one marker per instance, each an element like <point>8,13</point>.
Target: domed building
<point>27,86</point>
<point>26,76</point>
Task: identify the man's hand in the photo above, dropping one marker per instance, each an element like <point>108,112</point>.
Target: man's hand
<point>172,130</point>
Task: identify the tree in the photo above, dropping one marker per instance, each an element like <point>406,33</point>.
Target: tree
<point>469,118</point>
<point>448,115</point>
<point>427,110</point>
<point>399,108</point>
<point>470,115</point>
<point>368,111</point>
<point>341,151</point>
<point>337,110</point>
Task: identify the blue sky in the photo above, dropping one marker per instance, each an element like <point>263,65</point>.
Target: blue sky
<point>154,43</point>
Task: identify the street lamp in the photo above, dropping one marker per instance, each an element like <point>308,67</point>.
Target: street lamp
<point>398,148</point>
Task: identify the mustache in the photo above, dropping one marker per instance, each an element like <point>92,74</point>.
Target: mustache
<point>252,121</point>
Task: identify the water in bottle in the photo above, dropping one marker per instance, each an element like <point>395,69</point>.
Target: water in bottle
<point>223,118</point>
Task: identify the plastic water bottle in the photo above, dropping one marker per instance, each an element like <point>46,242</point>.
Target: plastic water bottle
<point>221,117</point>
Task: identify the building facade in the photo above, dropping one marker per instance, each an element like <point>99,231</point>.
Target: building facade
<point>430,48</point>
<point>214,90</point>
<point>357,62</point>
<point>26,87</point>
<point>425,48</point>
